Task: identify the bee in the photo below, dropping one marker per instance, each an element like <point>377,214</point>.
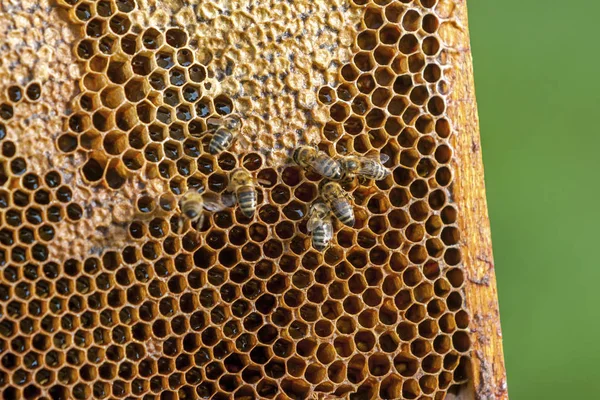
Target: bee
<point>339,203</point>
<point>242,184</point>
<point>319,223</point>
<point>368,167</point>
<point>193,203</point>
<point>310,157</point>
<point>225,134</point>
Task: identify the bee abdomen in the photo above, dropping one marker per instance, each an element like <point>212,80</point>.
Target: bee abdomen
<point>328,167</point>
<point>247,199</point>
<point>321,236</point>
<point>374,170</point>
<point>220,141</point>
<point>344,212</point>
<point>378,172</point>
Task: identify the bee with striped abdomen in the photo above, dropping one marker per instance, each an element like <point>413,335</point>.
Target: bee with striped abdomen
<point>225,134</point>
<point>367,167</point>
<point>339,202</point>
<point>193,203</point>
<point>242,185</point>
<point>319,224</point>
<point>310,157</point>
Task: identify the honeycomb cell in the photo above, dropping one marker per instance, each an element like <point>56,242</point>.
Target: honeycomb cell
<point>33,91</point>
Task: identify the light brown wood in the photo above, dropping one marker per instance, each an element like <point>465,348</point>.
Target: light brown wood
<point>489,376</point>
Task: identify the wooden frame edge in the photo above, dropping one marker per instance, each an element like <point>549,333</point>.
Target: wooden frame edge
<point>488,371</point>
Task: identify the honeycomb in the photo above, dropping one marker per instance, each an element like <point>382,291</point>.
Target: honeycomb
<point>106,109</point>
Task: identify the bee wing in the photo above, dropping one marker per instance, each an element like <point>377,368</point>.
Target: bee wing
<point>328,228</point>
<point>380,158</point>
<point>212,202</point>
<point>229,199</point>
<point>213,123</point>
<point>243,139</point>
<point>312,224</point>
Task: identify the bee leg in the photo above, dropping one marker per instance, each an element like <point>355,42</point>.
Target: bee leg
<point>243,140</point>
<point>215,121</point>
<point>348,196</point>
<point>200,222</point>
<point>364,181</point>
<point>179,224</point>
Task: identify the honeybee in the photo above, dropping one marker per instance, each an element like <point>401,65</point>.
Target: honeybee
<point>339,203</point>
<point>368,167</point>
<point>310,157</point>
<point>319,223</point>
<point>225,134</point>
<point>193,204</point>
<point>242,184</point>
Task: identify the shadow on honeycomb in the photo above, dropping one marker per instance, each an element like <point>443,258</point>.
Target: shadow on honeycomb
<point>246,309</point>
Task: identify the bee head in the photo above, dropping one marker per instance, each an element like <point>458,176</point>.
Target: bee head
<point>295,154</point>
<point>232,122</point>
<point>240,176</point>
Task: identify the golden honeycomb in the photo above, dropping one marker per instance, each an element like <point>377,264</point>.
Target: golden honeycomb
<point>104,112</point>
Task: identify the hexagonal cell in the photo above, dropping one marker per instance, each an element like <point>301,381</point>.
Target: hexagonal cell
<point>158,80</point>
<point>364,61</point>
<point>431,46</point>
<point>165,58</point>
<point>119,70</point>
<point>339,112</point>
<point>390,34</point>
<point>177,76</point>
<point>129,44</point>
<point>6,111</point>
<point>185,57</point>
<point>197,73</point>
<point>223,105</point>
<point>367,40</point>
<point>365,83</point>
<point>152,39</point>
<point>176,37</point>
<point>112,96</point>
<point>373,18</point>
<point>107,45</point>
<point>98,63</point>
<point>120,24</point>
<point>142,63</point>
<point>33,91</point>
<point>95,28</point>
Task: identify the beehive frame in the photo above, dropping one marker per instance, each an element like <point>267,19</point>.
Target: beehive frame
<point>104,119</point>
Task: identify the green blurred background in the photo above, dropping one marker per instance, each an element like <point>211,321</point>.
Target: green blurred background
<point>538,92</point>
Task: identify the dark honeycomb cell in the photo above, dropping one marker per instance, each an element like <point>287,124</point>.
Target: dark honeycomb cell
<point>15,93</point>
<point>129,44</point>
<point>120,24</point>
<point>6,111</point>
<point>197,73</point>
